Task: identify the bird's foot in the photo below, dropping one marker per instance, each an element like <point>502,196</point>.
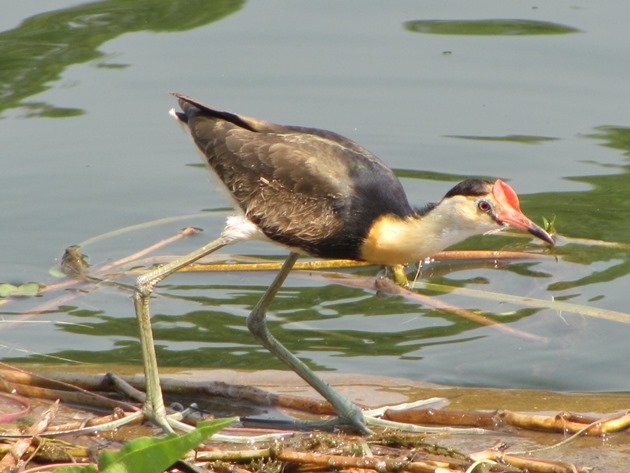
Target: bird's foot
<point>349,414</point>
<point>353,416</point>
<point>157,416</point>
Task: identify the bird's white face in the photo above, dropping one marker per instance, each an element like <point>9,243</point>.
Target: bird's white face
<point>395,241</point>
<point>499,208</point>
<point>463,216</point>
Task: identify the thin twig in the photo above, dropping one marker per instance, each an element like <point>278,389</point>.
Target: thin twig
<point>186,232</point>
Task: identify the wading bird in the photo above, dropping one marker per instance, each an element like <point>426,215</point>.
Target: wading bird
<point>319,194</point>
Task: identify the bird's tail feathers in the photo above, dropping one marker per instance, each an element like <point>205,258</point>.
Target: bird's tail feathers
<point>191,106</point>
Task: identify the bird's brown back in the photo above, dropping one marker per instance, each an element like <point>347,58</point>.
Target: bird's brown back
<point>306,188</point>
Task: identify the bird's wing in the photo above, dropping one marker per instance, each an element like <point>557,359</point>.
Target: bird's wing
<point>299,185</point>
<point>305,160</point>
<point>246,152</point>
<point>305,165</point>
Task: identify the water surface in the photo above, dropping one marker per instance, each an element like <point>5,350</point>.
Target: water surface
<point>88,148</point>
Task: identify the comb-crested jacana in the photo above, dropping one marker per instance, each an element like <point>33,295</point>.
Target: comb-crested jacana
<point>319,194</point>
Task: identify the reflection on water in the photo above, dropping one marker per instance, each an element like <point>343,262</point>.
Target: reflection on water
<point>34,54</point>
<point>525,139</point>
<point>488,27</point>
<point>602,213</point>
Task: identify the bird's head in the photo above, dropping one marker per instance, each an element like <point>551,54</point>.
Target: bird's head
<point>475,206</point>
<point>472,207</point>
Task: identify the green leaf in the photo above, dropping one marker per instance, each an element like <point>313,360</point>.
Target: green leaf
<point>26,289</point>
<point>550,224</point>
<point>151,454</point>
<point>154,455</point>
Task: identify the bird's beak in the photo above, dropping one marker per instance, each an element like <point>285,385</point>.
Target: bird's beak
<point>509,212</point>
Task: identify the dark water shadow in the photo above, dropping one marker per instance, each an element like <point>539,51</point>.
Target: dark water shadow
<point>493,27</point>
<point>520,139</point>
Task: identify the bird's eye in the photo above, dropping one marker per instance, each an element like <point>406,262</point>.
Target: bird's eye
<point>484,206</point>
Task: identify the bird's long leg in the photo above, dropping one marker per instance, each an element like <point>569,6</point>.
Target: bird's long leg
<point>348,412</point>
<point>154,404</point>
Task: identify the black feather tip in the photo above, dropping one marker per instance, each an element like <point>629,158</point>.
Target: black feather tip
<point>470,187</point>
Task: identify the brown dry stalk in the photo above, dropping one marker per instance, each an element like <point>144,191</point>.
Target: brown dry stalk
<point>272,266</point>
<point>233,455</point>
<point>21,446</point>
<point>313,461</point>
<point>565,422</point>
<point>444,417</point>
<point>530,464</point>
<point>372,463</point>
<point>342,263</point>
<point>249,393</point>
<point>30,385</point>
<point>213,388</point>
<point>487,255</point>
